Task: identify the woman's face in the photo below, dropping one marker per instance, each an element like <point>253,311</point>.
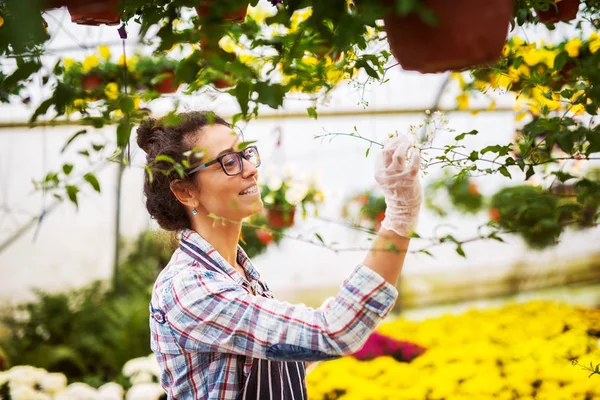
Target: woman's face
<point>219,193</point>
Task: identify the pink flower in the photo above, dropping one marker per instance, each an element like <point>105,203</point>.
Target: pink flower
<point>378,345</point>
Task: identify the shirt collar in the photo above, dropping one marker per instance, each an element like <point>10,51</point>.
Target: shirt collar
<point>197,240</point>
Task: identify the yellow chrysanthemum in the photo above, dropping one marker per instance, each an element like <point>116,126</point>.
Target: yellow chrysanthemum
<point>462,100</point>
<point>131,62</point>
<point>90,62</point>
<point>111,91</point>
<point>104,52</point>
<point>594,42</point>
<point>459,77</point>
<point>572,47</point>
<point>79,103</point>
<point>68,63</point>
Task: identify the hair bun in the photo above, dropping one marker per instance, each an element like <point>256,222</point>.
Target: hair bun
<point>146,134</point>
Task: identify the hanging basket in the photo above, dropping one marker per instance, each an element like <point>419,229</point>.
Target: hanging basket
<point>468,33</point>
<point>91,82</point>
<point>238,15</point>
<point>565,10</point>
<point>167,84</point>
<point>279,217</point>
<point>95,12</point>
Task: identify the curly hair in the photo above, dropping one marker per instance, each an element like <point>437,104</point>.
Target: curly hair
<point>157,137</point>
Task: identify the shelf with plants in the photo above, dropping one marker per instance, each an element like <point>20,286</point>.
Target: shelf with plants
<point>365,209</point>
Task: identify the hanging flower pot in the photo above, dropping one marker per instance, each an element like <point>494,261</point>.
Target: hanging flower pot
<point>468,33</point>
<point>167,84</point>
<point>280,217</point>
<point>237,15</point>
<point>91,82</point>
<point>565,10</point>
<point>94,12</point>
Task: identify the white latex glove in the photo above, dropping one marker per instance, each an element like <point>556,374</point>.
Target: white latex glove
<point>399,181</point>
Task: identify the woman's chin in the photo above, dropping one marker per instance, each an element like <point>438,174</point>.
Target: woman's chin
<point>256,207</point>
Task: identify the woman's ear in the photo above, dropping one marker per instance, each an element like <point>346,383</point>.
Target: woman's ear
<point>185,192</point>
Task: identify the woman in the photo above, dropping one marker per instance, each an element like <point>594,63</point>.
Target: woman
<point>216,330</point>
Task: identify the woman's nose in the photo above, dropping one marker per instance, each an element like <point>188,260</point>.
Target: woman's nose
<point>248,169</point>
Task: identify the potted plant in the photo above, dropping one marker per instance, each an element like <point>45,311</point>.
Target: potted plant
<point>207,8</point>
<point>256,236</point>
<point>282,197</point>
<point>157,74</point>
<point>365,209</point>
<point>560,11</point>
<point>465,33</point>
<point>95,12</point>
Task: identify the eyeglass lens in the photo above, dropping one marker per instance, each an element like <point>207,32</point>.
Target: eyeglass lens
<point>232,163</point>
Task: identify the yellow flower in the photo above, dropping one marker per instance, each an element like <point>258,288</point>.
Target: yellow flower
<point>1,21</point>
<point>111,91</point>
<point>104,52</point>
<point>79,103</point>
<point>136,102</point>
<point>131,62</point>
<point>459,77</point>
<point>463,101</point>
<point>90,62</point>
<point>594,42</point>
<point>300,16</point>
<point>572,47</point>
<point>229,45</point>
<point>260,13</point>
<point>68,63</point>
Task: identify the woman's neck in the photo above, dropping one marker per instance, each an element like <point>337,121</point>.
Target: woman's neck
<point>222,235</point>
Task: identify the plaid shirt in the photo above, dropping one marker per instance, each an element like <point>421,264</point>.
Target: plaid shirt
<point>206,326</point>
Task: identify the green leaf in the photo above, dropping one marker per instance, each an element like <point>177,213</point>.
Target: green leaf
<point>504,172</point>
<point>126,104</point>
<point>67,168</point>
<point>312,112</point>
<point>320,238</point>
<point>271,95</point>
<point>474,156</point>
<point>92,180</point>
<point>460,251</point>
<point>242,94</point>
<point>78,133</point>
<point>72,193</point>
<point>560,60</point>
<point>243,145</point>
<point>123,132</point>
<point>530,172</point>
<point>462,135</point>
<point>164,157</point>
<point>367,152</point>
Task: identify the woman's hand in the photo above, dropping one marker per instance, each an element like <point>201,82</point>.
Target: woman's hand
<point>398,176</point>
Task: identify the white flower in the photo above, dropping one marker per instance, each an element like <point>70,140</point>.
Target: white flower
<point>296,193</point>
<point>24,392</point>
<point>25,375</point>
<point>110,391</point>
<point>141,377</point>
<point>289,170</point>
<point>145,391</point>
<point>142,369</point>
<point>274,183</point>
<point>53,383</point>
<point>78,391</point>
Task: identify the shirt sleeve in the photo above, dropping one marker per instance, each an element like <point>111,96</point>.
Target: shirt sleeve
<point>208,312</point>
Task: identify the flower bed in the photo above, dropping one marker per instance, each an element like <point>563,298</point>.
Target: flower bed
<point>535,350</point>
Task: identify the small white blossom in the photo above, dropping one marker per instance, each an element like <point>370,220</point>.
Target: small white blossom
<point>274,183</point>
<point>53,383</point>
<point>24,392</point>
<point>141,377</point>
<point>145,391</point>
<point>296,193</point>
<point>111,391</point>
<point>78,391</point>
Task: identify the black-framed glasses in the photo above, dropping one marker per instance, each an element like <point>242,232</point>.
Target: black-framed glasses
<point>233,163</point>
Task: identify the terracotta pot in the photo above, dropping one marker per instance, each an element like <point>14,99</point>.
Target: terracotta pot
<point>91,82</point>
<point>565,10</point>
<point>468,33</point>
<point>167,84</point>
<point>238,15</point>
<point>279,218</point>
<point>95,12</point>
